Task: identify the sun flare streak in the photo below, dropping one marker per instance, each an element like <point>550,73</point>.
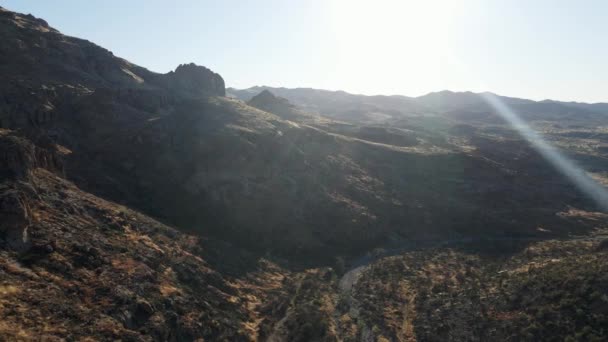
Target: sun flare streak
<point>567,167</point>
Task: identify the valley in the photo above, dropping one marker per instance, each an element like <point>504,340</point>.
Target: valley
<point>144,206</point>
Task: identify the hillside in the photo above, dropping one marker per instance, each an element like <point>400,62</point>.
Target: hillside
<point>74,265</point>
<point>136,205</point>
<point>173,147</point>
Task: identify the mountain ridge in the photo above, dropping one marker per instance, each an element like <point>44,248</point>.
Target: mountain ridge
<point>461,106</point>
<point>445,91</point>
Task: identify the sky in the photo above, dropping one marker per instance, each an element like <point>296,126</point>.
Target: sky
<point>532,49</point>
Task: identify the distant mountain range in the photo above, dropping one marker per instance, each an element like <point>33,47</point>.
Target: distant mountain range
<point>466,105</point>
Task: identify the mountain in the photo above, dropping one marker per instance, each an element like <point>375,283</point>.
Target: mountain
<point>268,102</point>
<point>473,106</point>
<point>136,205</point>
<point>462,106</point>
<point>596,107</point>
<point>339,105</point>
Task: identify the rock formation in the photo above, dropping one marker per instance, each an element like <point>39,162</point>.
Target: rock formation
<point>196,80</point>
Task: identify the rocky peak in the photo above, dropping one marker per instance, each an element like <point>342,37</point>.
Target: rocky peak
<point>265,94</point>
<point>280,106</point>
<point>266,99</point>
<point>196,80</point>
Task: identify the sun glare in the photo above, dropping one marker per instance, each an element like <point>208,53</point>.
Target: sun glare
<point>399,39</point>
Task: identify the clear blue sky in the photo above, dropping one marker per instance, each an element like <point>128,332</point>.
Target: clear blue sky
<point>527,48</point>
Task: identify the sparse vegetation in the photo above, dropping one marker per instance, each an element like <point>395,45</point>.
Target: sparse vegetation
<point>140,206</point>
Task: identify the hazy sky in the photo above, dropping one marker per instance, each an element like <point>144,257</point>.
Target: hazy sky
<point>527,48</point>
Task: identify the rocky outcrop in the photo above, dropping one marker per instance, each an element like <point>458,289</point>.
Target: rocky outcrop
<point>19,157</point>
<point>196,81</point>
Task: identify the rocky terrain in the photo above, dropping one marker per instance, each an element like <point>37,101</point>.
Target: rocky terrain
<point>143,206</point>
